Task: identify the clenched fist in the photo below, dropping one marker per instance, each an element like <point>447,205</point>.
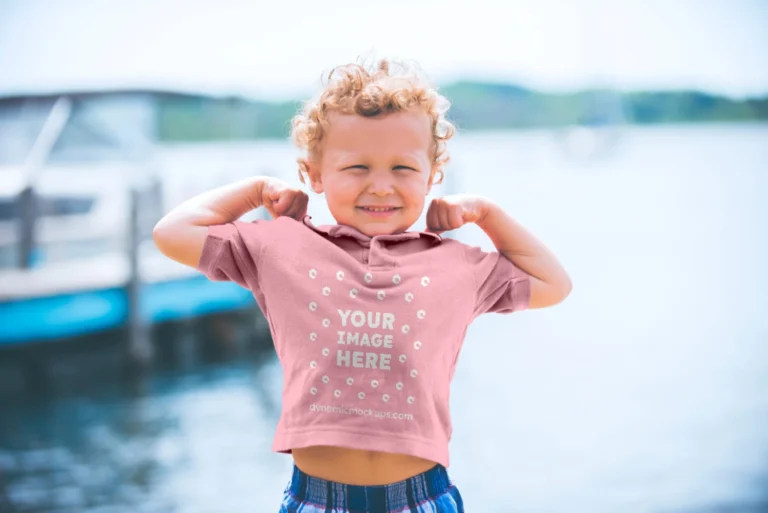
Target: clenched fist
<point>280,199</point>
<point>451,212</point>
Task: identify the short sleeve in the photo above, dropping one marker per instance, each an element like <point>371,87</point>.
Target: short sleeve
<point>232,251</point>
<point>500,286</point>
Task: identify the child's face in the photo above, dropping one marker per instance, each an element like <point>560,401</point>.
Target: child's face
<point>370,164</point>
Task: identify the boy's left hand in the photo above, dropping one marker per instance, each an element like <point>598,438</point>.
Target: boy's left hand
<point>451,212</point>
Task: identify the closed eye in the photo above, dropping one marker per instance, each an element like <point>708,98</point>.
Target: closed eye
<point>360,166</point>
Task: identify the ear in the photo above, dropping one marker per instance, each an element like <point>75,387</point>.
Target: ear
<point>313,173</point>
<point>435,177</point>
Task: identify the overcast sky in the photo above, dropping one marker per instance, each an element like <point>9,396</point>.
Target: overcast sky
<point>278,49</point>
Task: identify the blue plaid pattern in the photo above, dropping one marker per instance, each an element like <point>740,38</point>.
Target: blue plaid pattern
<point>429,492</point>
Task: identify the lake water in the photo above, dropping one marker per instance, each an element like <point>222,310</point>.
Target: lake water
<point>645,391</point>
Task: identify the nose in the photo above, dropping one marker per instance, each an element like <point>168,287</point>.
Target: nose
<point>381,183</point>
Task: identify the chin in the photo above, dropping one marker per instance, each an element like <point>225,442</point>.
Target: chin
<point>372,228</point>
<point>377,229</point>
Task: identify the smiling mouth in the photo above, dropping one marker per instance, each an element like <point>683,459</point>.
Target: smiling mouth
<point>380,212</point>
<point>378,209</point>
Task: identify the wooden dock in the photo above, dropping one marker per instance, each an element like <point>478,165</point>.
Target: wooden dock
<point>76,251</point>
<point>83,296</point>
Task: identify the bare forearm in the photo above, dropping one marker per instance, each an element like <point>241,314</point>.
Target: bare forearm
<point>181,233</point>
<point>218,206</point>
<point>521,247</point>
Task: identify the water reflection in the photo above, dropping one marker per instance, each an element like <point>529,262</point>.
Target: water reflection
<point>141,441</point>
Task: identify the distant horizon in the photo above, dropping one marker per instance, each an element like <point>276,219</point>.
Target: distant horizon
<point>191,90</point>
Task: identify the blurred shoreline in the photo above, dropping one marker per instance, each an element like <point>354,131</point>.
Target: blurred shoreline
<point>182,115</point>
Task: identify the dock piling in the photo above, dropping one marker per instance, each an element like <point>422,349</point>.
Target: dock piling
<point>140,348</point>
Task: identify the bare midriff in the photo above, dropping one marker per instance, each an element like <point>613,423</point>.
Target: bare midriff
<point>358,467</point>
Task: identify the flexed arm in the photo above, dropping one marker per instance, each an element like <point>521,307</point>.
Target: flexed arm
<point>181,233</point>
<point>550,283</point>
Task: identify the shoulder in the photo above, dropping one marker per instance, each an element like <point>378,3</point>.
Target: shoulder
<point>461,249</point>
<point>276,228</point>
<point>287,234</point>
<point>257,235</point>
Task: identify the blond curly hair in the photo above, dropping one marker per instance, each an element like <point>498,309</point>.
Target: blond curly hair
<point>372,91</point>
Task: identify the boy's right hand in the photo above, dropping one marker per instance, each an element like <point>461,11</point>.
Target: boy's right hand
<point>280,199</point>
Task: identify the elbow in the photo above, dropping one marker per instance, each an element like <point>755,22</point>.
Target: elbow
<point>180,241</point>
<point>160,236</point>
<point>545,294</point>
<point>559,291</point>
<point>564,289</point>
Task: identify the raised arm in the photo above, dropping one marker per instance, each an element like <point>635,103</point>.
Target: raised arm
<point>550,283</point>
<point>181,233</point>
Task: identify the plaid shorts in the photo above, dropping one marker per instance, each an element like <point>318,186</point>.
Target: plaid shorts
<point>431,491</point>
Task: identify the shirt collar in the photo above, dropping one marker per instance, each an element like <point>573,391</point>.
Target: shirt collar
<point>342,230</point>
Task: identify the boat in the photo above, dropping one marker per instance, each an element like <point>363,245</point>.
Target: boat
<point>80,190</point>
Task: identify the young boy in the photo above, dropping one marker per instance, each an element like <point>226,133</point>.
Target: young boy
<point>367,318</point>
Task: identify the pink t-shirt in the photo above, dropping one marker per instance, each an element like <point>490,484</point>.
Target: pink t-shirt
<point>367,329</point>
